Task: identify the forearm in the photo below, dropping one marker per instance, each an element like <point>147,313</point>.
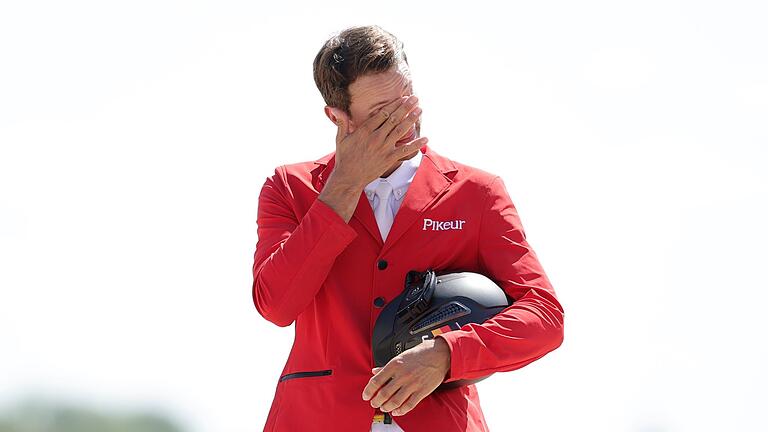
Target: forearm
<point>292,260</point>
<point>528,329</point>
<point>517,336</point>
<point>342,195</point>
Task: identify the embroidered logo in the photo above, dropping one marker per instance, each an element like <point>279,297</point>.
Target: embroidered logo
<point>434,225</point>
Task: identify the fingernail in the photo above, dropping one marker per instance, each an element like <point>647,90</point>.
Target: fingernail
<point>412,100</point>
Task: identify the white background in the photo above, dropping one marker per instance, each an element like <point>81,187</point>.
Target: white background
<point>135,137</point>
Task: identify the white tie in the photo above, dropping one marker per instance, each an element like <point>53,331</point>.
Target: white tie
<point>383,212</point>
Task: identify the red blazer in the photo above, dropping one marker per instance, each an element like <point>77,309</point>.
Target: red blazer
<point>328,276</point>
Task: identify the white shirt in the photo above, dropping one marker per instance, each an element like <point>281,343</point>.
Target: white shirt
<point>400,179</point>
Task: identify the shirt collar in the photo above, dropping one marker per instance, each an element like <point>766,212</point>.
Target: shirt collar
<point>400,178</point>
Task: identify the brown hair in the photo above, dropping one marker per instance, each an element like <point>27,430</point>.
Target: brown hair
<point>350,54</point>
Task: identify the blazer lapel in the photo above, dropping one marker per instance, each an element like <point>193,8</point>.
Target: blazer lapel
<point>432,180</point>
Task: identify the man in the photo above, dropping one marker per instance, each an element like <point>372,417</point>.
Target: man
<point>337,236</point>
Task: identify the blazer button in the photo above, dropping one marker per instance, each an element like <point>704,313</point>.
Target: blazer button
<point>379,302</point>
<point>382,264</point>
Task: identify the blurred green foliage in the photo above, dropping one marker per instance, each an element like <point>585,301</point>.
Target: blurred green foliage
<point>37,415</point>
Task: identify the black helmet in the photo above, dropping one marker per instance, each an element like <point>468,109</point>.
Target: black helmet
<point>432,304</point>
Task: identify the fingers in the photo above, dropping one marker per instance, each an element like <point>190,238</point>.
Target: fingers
<point>395,400</point>
<point>403,127</point>
<point>376,382</point>
<point>393,394</point>
<point>408,405</point>
<point>383,115</point>
<point>408,150</point>
<point>399,114</point>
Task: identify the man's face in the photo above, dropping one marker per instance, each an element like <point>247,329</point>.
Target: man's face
<point>370,93</point>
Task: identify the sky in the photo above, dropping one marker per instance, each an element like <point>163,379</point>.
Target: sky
<point>631,136</point>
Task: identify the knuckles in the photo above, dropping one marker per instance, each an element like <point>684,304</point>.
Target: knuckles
<point>377,381</point>
<point>385,393</point>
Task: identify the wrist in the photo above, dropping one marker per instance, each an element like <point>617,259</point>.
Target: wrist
<point>341,195</point>
<point>343,182</point>
<point>442,346</point>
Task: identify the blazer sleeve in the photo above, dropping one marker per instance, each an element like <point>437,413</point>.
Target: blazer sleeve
<point>293,257</point>
<point>528,329</point>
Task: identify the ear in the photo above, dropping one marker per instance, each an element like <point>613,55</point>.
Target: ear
<point>335,115</point>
